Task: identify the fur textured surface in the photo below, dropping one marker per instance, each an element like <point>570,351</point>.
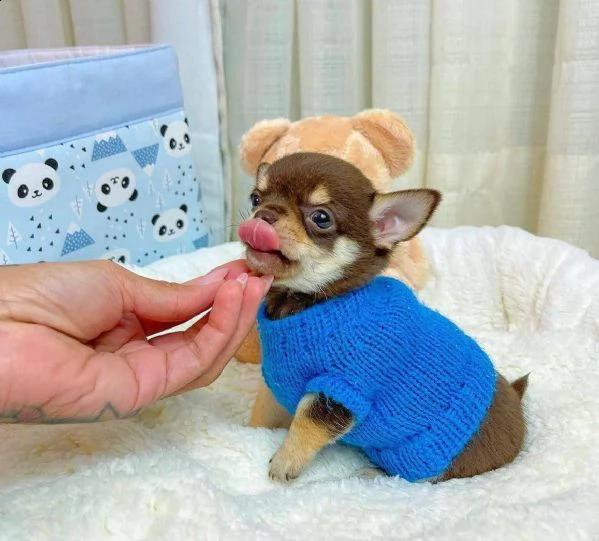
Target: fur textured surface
<point>188,468</point>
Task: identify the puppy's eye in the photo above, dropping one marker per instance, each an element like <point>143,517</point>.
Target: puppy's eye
<point>322,219</point>
<point>173,144</point>
<point>48,183</point>
<point>255,199</point>
<point>186,138</point>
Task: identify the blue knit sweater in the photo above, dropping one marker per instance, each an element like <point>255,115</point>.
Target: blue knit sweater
<point>418,387</point>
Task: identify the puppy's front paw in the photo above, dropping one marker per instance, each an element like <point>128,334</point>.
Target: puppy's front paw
<point>285,466</point>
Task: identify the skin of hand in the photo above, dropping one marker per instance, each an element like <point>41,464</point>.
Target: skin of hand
<point>74,343</point>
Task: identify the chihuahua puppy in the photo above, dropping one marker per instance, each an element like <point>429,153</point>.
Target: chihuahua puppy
<point>326,235</point>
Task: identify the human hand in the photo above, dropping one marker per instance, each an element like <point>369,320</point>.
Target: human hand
<point>74,346</point>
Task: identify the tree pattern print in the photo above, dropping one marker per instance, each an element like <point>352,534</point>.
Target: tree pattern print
<point>96,197</point>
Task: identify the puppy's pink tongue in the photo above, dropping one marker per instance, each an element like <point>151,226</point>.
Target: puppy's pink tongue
<point>260,235</point>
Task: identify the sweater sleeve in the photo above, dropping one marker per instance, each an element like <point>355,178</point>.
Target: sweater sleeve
<point>340,390</point>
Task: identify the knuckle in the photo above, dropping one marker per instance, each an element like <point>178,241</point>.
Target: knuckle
<point>195,350</point>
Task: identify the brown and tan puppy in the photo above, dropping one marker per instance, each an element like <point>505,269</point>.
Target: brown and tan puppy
<point>377,141</point>
<point>322,230</point>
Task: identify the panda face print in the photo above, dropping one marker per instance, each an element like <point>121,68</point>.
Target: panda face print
<point>118,255</point>
<point>170,225</point>
<point>176,141</point>
<point>33,184</point>
<point>115,188</point>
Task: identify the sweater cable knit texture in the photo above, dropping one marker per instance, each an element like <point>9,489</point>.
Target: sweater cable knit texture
<point>418,387</point>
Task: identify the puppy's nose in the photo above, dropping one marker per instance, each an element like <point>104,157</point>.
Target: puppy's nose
<point>269,216</point>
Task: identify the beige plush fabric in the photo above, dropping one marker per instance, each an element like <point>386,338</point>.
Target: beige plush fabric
<point>190,468</point>
<point>376,141</point>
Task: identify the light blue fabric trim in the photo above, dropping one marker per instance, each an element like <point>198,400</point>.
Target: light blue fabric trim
<point>41,104</point>
<point>83,135</point>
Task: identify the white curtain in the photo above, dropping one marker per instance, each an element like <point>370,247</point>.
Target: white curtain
<point>503,97</point>
<point>61,23</point>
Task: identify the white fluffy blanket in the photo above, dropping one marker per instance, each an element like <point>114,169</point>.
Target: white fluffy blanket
<point>189,468</point>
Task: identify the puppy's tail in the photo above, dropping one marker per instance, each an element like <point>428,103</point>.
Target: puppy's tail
<point>520,385</point>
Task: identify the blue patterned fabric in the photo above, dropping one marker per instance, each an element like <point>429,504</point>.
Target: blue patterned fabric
<point>418,387</point>
<point>126,192</point>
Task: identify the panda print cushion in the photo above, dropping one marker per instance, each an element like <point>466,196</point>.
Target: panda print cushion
<point>35,184</point>
<point>176,138</point>
<point>129,195</point>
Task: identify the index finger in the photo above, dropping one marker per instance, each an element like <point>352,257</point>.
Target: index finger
<point>191,353</point>
<point>235,268</point>
<point>253,294</point>
<point>184,311</point>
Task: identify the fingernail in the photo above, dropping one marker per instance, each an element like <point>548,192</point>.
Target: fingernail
<point>268,279</point>
<point>243,279</point>
<point>214,276</point>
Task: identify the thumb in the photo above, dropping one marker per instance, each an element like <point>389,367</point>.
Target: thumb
<point>167,302</point>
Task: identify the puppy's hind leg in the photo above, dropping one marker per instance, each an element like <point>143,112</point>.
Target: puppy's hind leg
<point>267,412</point>
<point>500,436</point>
<point>318,421</point>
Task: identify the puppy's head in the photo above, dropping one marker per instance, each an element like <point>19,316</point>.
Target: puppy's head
<point>319,226</point>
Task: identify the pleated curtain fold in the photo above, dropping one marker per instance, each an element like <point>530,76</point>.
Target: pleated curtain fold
<point>503,97</point>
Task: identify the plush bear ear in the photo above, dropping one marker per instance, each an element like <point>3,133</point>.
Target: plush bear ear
<point>388,133</point>
<point>51,162</point>
<point>163,129</point>
<point>7,175</point>
<point>183,208</point>
<point>258,140</point>
<point>398,216</point>
<point>155,218</point>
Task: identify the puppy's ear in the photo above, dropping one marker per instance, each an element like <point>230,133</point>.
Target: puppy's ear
<point>163,129</point>
<point>262,176</point>
<point>155,218</point>
<point>398,216</point>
